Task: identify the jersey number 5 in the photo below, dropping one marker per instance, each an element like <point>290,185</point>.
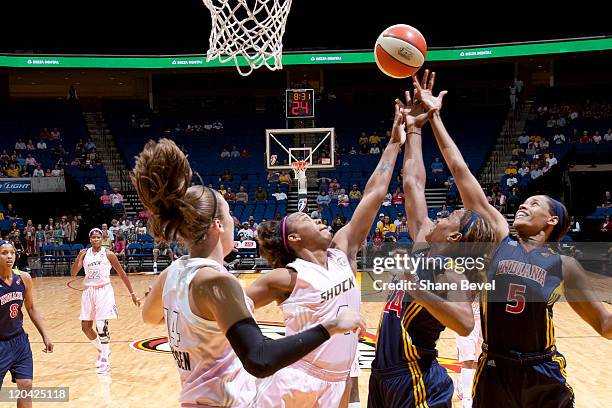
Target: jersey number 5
<point>14,310</point>
<point>515,294</point>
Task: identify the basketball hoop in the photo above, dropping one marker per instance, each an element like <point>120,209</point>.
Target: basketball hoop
<point>251,29</point>
<point>299,168</point>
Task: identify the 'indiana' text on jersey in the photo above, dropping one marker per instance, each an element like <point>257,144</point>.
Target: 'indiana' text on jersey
<point>338,289</point>
<point>518,314</point>
<point>407,331</point>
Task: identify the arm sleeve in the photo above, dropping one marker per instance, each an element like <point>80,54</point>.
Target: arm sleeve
<point>262,356</point>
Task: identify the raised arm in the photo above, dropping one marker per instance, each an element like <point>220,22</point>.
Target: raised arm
<point>78,263</point>
<point>471,192</point>
<point>414,179</point>
<point>579,294</point>
<point>351,236</point>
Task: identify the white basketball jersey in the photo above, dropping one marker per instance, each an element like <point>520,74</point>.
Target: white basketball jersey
<point>320,295</point>
<point>97,268</point>
<point>211,373</point>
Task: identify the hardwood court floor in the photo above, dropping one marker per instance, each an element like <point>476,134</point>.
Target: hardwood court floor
<point>146,379</point>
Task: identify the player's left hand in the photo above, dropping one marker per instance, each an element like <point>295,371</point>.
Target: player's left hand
<point>48,346</point>
<point>135,299</point>
<point>424,91</point>
<point>414,114</point>
<point>398,133</point>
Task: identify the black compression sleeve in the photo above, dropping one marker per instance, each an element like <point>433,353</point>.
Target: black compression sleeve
<point>262,356</point>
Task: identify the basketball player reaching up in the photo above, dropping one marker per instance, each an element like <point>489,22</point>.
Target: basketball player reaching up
<point>15,352</point>
<point>520,365</point>
<point>98,299</point>
<point>214,339</point>
<point>405,372</point>
<point>313,280</point>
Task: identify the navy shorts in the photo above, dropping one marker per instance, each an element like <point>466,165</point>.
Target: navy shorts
<point>16,357</point>
<point>416,385</point>
<point>502,384</point>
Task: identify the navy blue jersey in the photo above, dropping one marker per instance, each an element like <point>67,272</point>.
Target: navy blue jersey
<point>518,314</point>
<point>11,301</point>
<point>407,332</point>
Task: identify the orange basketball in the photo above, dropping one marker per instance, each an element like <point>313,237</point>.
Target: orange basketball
<point>400,51</point>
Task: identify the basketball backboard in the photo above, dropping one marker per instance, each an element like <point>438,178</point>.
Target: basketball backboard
<point>313,145</point>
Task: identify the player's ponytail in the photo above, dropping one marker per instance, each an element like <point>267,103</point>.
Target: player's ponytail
<point>162,177</point>
<point>273,244</point>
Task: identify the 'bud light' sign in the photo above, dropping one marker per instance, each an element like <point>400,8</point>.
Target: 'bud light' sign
<point>15,185</point>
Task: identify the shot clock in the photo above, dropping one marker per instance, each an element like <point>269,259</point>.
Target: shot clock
<point>299,103</point>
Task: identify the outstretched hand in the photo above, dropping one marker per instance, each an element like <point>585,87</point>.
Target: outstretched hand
<point>398,133</point>
<point>413,112</point>
<point>423,92</point>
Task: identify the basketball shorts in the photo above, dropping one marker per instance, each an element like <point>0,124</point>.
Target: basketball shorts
<point>415,385</point>
<point>16,357</point>
<point>505,384</point>
<point>98,303</point>
<point>469,347</point>
<point>295,387</point>
<point>355,369</point>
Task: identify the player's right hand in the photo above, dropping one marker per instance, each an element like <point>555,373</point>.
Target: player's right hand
<point>347,320</point>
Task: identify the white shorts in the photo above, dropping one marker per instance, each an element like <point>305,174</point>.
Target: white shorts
<point>98,303</point>
<point>292,388</point>
<point>469,347</point>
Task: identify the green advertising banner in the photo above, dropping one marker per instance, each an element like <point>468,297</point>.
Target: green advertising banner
<point>199,61</point>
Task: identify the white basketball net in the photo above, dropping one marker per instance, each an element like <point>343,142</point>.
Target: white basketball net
<point>252,29</point>
<point>299,169</point>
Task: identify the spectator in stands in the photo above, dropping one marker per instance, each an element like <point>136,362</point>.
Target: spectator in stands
<point>535,172</point>
<point>226,176</point>
<point>574,227</point>
<point>501,202</point>
<point>387,200</point>
<point>20,146</point>
<point>110,234</point>
<point>235,153</point>
<point>607,201</point>
<point>245,233</point>
<point>513,200</point>
<point>56,172</point>
<point>242,196</point>
<point>284,178</point>
<point>606,229</point>
<point>523,139</point>
<point>116,197</point>
<point>337,224</point>
<point>374,149</point>
<point>225,154</point>
<point>230,196</point>
<point>597,137</point>
<point>531,149</point>
<point>352,151</point>
<point>551,160</point>
<point>13,171</point>
<point>402,227</point>
<point>559,138</point>
<point>317,214</point>
<point>363,139</point>
<point>4,157</point>
<point>260,194</point>
<point>355,194</point>
<point>279,195</point>
<point>511,181</point>
<point>40,239</point>
<point>398,197</point>
<point>38,171</point>
<point>524,169</point>
<point>244,154</point>
<point>585,138</point>
<point>89,186</point>
<point>512,89</point>
<point>30,146</point>
<point>377,239</point>
<point>55,134</point>
<point>273,177</point>
<point>510,170</point>
<point>437,168</point>
<point>334,185</point>
<point>58,234</point>
<point>323,199</point>
<point>545,144</point>
<point>444,213</point>
<point>30,161</point>
<point>608,136</point>
<point>120,247</point>
<point>3,173</point>
<point>253,225</point>
<point>386,226</point>
<point>20,252</point>
<point>44,134</point>
<point>560,121</point>
<point>364,149</point>
<point>29,233</point>
<point>334,193</point>
<point>343,198</point>
<point>374,139</point>
<point>106,242</point>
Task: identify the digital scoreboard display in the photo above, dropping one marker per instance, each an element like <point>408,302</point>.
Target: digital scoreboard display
<point>299,103</point>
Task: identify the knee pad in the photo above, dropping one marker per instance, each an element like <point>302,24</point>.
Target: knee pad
<point>102,329</point>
